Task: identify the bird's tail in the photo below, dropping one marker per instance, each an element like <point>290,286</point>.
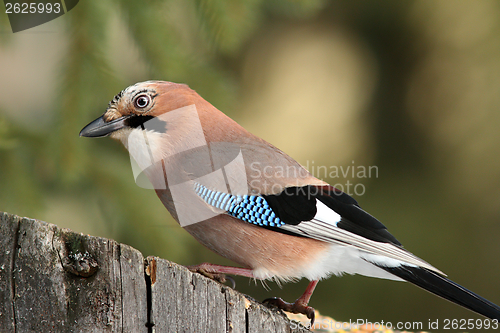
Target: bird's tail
<point>445,288</point>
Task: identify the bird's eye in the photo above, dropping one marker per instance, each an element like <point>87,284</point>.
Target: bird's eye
<point>142,101</point>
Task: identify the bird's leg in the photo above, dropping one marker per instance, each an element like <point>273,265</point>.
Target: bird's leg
<point>218,272</point>
<point>300,305</point>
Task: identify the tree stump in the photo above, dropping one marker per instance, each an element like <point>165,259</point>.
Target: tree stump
<point>56,280</point>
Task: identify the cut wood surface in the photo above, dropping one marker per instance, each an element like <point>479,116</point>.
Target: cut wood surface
<point>56,280</point>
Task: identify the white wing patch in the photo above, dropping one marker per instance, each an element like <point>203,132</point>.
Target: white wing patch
<point>325,214</point>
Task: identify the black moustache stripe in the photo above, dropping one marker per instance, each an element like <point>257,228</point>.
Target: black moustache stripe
<point>136,121</point>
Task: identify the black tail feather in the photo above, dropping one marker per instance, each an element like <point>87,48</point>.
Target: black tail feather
<point>445,288</point>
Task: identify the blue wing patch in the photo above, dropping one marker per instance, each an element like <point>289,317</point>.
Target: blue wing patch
<point>248,208</point>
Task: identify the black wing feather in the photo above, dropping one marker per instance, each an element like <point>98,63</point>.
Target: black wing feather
<point>445,288</point>
<point>296,204</point>
<point>355,219</point>
<point>293,205</point>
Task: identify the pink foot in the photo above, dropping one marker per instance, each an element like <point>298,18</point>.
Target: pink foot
<point>295,307</point>
<point>300,305</point>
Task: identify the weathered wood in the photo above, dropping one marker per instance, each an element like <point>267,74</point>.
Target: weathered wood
<point>60,281</point>
<point>55,280</point>
<point>8,241</point>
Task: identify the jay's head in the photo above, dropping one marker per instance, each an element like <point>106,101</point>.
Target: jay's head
<point>167,122</point>
<point>138,104</point>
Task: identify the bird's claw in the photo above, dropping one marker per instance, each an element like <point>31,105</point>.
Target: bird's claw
<point>219,277</point>
<point>295,307</point>
<point>233,283</point>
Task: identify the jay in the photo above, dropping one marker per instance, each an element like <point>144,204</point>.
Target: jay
<point>248,201</point>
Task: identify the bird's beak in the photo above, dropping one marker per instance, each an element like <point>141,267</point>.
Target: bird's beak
<point>99,127</point>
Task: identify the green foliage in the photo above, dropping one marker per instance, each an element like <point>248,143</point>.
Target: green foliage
<point>227,24</point>
<point>4,27</point>
<point>6,142</point>
<point>295,8</point>
<point>20,169</point>
<point>86,85</point>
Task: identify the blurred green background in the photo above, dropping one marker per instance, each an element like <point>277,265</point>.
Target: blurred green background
<point>411,87</point>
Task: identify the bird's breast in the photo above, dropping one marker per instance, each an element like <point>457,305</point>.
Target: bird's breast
<point>268,253</point>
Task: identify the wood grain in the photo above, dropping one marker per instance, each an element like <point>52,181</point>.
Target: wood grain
<point>56,280</point>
